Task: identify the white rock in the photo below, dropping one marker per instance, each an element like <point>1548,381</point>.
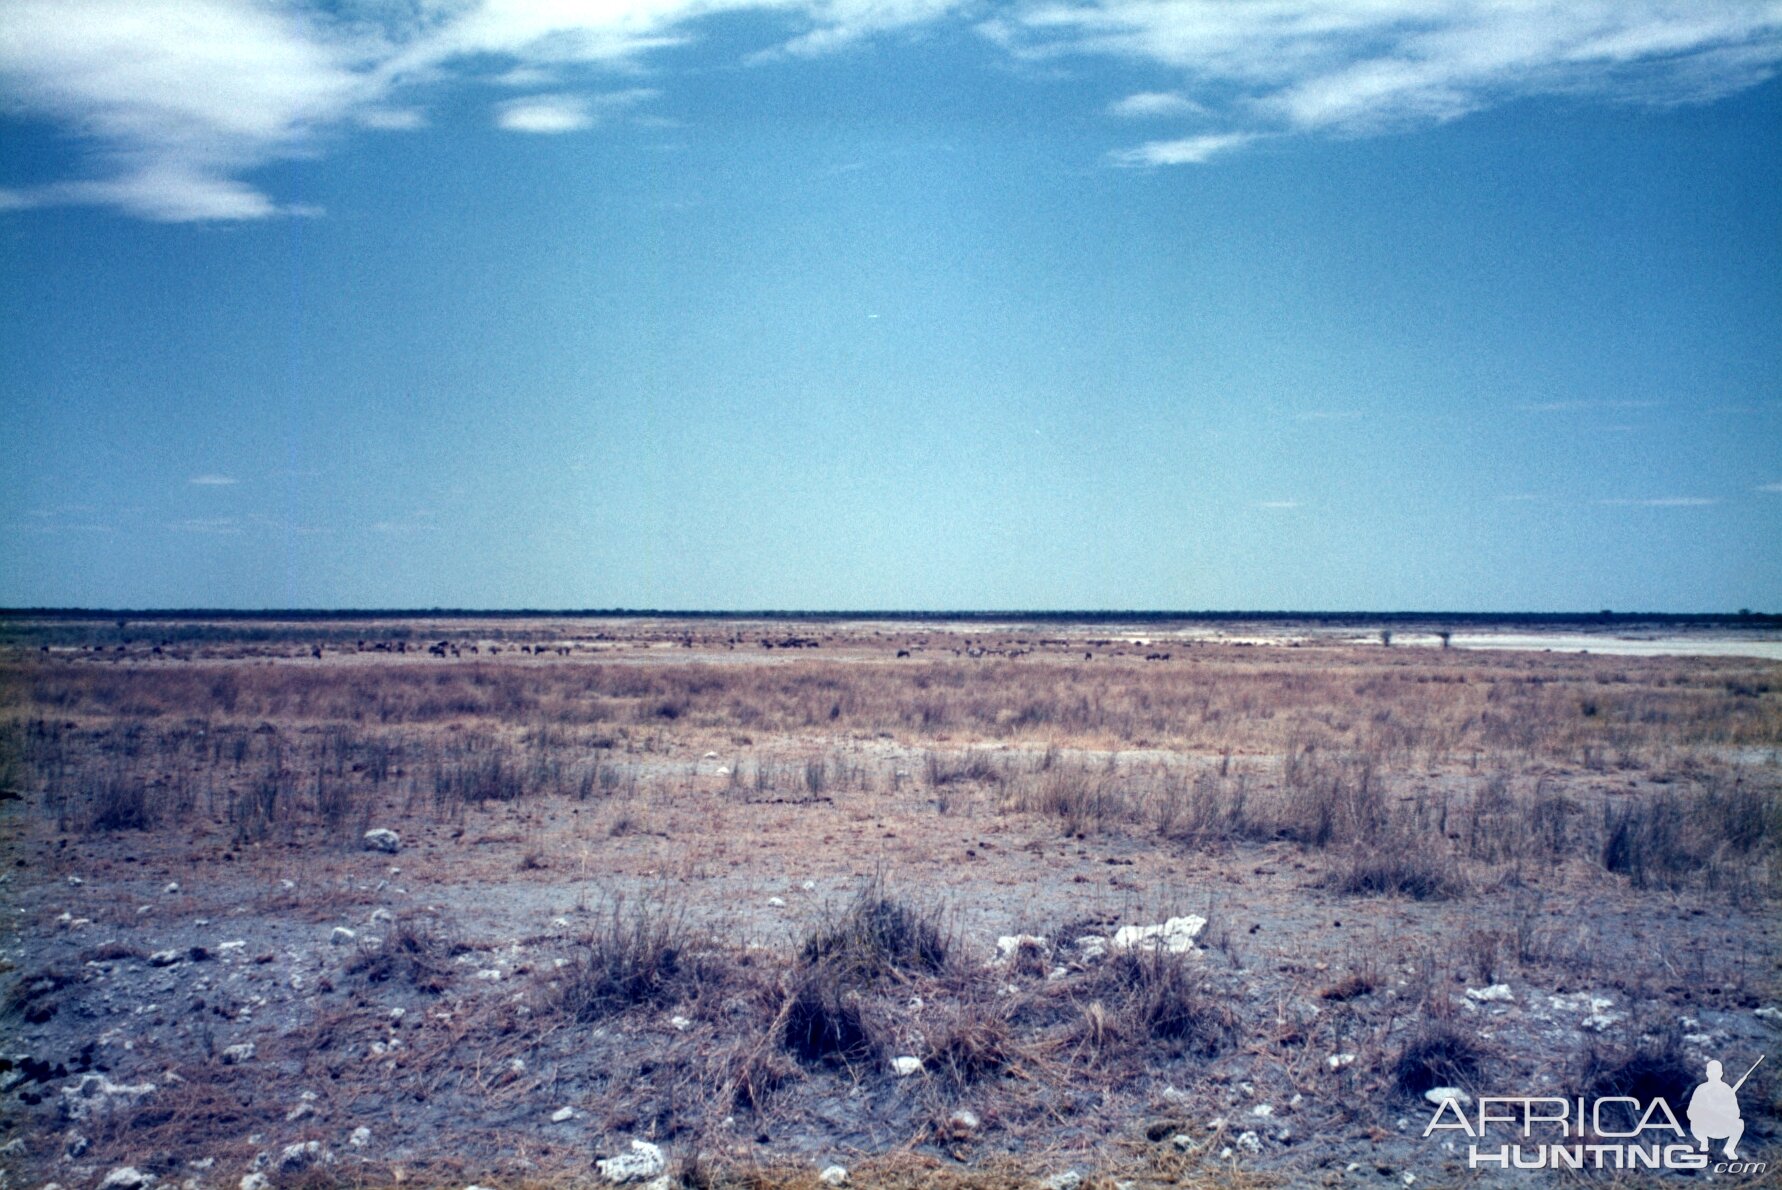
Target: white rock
<point>341,936</point>
<point>165,958</point>
<point>1769,1013</point>
<point>906,1066</point>
<point>811,886</point>
<point>964,1120</point>
<point>94,1090</point>
<point>235,1055</point>
<point>563,1115</point>
<point>710,756</point>
<point>1070,1179</point>
<point>1250,1142</point>
<point>1092,947</point>
<point>776,902</point>
<point>1263,1110</point>
<point>298,1157</point>
<point>1009,944</point>
<point>1496,993</point>
<point>360,1138</point>
<point>379,839</point>
<point>642,1163</point>
<point>1175,935</point>
<point>172,887</point>
<point>1454,1095</point>
<point>489,973</point>
<point>833,1175</point>
<point>680,1023</point>
<point>1184,1143</point>
<point>379,916</point>
<point>1338,1061</point>
<point>127,1177</point>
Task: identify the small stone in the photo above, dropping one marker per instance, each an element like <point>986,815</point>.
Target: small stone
<point>1338,1061</point>
<point>964,1121</point>
<point>1184,1143</point>
<point>563,1115</point>
<point>127,1177</point>
<point>680,1023</point>
<point>1263,1110</point>
<point>1495,994</point>
<point>1250,1142</point>
<point>1769,1013</point>
<point>905,1066</point>
<point>489,973</point>
<point>165,958</point>
<point>833,1175</point>
<point>172,887</point>
<point>1070,1179</point>
<point>298,1157</point>
<point>301,1112</point>
<point>341,936</point>
<point>235,1055</point>
<point>1454,1095</point>
<point>776,902</point>
<point>379,839</point>
<point>360,1138</point>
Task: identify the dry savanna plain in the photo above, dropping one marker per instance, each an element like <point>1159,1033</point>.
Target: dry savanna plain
<point>708,902</point>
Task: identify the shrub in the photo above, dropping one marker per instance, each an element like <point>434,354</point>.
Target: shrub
<point>1439,1055</point>
<point>648,955</point>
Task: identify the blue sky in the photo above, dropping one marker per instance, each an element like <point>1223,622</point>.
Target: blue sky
<point>1385,304</point>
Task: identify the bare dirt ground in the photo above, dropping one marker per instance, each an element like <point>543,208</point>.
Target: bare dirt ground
<point>703,885</point>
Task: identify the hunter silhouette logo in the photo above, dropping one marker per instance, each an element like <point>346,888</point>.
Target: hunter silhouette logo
<point>1714,1110</point>
<point>1606,1132</point>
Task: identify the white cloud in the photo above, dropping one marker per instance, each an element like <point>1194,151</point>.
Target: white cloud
<point>1148,105</point>
<point>1278,504</point>
<point>1768,487</point>
<point>213,481</point>
<point>544,114</point>
<point>1191,150</point>
<point>1366,66</point>
<point>392,119</point>
<point>177,101</point>
<point>1662,502</point>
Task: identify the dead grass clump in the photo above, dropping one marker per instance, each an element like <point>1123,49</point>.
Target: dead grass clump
<point>825,1020</point>
<point>972,1043</point>
<point>1654,1069</point>
<point>1138,998</point>
<point>1404,870</point>
<point>1439,1055</point>
<point>116,802</point>
<point>878,935</point>
<point>414,952</point>
<point>645,956</point>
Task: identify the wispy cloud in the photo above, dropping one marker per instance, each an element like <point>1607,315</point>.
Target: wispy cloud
<point>177,101</point>
<point>1661,502</point>
<point>1151,105</point>
<point>225,525</point>
<point>1367,66</point>
<point>213,481</point>
<point>1278,504</point>
<point>545,114</point>
<point>1190,150</point>
<point>1328,415</point>
<point>548,114</point>
<point>1768,487</point>
<point>1585,406</point>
